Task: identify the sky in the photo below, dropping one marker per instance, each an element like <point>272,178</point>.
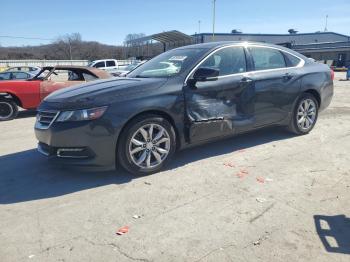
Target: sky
<point>109,21</point>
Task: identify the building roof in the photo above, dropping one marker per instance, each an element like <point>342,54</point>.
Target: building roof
<point>262,34</point>
<point>164,37</point>
<point>319,47</point>
<point>293,39</point>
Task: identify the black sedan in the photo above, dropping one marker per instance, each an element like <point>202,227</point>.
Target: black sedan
<point>184,97</point>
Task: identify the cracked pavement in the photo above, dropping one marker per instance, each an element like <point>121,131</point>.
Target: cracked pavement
<point>199,209</point>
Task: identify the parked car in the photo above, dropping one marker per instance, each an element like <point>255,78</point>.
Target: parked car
<point>211,91</point>
<point>30,69</point>
<point>110,65</point>
<point>123,72</point>
<point>29,93</point>
<point>15,75</point>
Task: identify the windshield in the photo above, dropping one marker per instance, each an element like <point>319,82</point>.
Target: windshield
<point>43,73</point>
<point>131,67</point>
<point>169,64</point>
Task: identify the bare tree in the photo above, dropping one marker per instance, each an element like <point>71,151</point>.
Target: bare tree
<point>133,36</point>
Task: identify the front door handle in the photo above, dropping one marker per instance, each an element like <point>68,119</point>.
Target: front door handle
<point>246,80</point>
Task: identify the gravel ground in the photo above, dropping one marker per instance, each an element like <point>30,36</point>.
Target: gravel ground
<point>264,196</point>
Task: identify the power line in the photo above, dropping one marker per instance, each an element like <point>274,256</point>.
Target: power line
<point>23,37</point>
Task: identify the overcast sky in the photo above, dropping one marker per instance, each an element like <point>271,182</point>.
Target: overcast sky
<point>109,21</point>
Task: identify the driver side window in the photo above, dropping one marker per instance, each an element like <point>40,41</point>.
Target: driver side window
<point>63,75</point>
<point>100,65</point>
<point>229,60</point>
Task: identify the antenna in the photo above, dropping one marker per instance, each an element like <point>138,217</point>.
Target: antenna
<point>326,27</point>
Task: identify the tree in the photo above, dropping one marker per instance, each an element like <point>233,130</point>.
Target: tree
<point>68,44</point>
<point>292,31</point>
<point>133,37</point>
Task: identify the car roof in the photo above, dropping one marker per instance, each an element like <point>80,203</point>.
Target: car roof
<point>97,72</point>
<point>16,71</point>
<point>23,67</point>
<point>216,45</point>
<point>102,60</point>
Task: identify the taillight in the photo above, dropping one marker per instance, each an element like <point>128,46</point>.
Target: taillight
<point>332,74</point>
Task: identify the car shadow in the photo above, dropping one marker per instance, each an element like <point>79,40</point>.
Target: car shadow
<point>334,232</point>
<point>26,113</point>
<point>229,145</point>
<point>26,176</point>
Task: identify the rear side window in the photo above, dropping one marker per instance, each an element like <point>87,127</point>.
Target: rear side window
<point>291,60</point>
<point>19,75</point>
<point>230,60</point>
<point>5,76</point>
<point>100,64</point>
<point>110,63</point>
<point>89,77</point>
<point>267,58</point>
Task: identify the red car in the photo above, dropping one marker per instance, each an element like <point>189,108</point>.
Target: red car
<point>29,93</point>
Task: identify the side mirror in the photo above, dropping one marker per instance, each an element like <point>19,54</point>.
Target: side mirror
<point>206,74</point>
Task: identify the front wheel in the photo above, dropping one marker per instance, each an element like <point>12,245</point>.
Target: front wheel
<point>8,110</point>
<point>304,115</point>
<point>146,145</point>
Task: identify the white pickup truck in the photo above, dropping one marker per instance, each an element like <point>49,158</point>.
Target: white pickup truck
<point>110,65</point>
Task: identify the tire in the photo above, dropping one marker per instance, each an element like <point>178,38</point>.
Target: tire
<point>140,155</point>
<point>300,123</point>
<point>8,110</point>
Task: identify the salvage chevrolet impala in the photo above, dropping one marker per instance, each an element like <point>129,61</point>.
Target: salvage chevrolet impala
<point>183,97</point>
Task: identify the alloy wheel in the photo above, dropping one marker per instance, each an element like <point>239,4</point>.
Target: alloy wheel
<point>149,146</point>
<point>306,114</point>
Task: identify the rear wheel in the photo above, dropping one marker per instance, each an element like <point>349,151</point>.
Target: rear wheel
<point>146,145</point>
<point>8,110</point>
<point>304,115</point>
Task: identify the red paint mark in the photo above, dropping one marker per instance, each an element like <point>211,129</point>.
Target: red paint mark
<point>260,180</point>
<point>229,165</point>
<point>242,173</point>
<point>123,230</point>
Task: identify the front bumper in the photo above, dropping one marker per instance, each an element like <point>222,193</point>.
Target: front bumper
<point>90,144</point>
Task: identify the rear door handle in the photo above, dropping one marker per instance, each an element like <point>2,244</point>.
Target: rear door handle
<point>287,76</point>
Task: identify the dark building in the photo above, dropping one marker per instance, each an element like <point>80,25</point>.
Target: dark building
<point>329,47</point>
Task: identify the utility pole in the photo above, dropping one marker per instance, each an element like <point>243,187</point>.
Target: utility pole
<point>199,26</point>
<point>214,2</point>
<point>326,27</point>
<point>70,50</point>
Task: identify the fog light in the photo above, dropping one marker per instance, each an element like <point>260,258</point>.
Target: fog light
<point>72,153</point>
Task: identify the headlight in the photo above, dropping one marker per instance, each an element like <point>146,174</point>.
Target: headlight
<point>81,115</point>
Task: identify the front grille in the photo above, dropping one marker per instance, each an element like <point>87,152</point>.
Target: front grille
<point>46,118</point>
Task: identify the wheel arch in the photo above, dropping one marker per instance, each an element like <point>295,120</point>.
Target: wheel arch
<point>8,95</point>
<point>157,112</point>
<point>316,94</point>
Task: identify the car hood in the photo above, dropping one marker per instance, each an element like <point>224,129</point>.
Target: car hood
<point>101,92</point>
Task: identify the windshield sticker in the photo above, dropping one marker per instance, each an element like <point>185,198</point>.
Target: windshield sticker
<point>177,58</point>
